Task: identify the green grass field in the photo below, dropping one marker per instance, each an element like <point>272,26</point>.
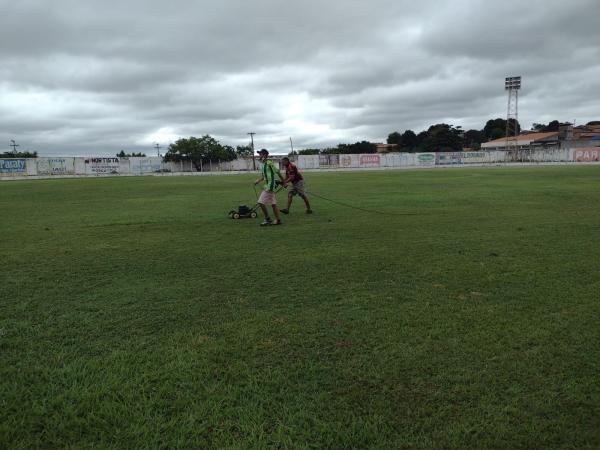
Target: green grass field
<point>135,314</point>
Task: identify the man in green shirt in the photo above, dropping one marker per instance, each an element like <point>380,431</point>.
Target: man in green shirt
<point>268,173</point>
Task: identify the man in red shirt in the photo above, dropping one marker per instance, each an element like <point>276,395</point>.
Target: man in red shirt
<point>293,176</point>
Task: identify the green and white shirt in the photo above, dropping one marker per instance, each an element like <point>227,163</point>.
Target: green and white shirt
<point>269,175</point>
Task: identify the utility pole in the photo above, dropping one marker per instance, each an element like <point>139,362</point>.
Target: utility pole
<point>292,145</point>
<point>157,147</point>
<point>14,145</point>
<point>252,145</point>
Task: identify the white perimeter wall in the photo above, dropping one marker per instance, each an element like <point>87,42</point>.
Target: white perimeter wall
<point>98,166</point>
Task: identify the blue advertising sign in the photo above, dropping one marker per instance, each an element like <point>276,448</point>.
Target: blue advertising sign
<point>12,166</point>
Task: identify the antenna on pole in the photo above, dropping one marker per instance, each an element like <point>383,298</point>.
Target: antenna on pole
<point>157,147</point>
<point>292,145</point>
<point>14,145</point>
<point>252,145</point>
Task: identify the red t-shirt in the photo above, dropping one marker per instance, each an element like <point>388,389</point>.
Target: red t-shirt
<point>292,174</point>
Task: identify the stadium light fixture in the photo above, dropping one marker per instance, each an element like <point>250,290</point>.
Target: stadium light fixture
<point>512,83</point>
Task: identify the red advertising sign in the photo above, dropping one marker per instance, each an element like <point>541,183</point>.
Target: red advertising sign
<point>370,160</point>
<point>586,154</point>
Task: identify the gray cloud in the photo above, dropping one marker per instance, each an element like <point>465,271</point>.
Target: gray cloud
<point>97,77</point>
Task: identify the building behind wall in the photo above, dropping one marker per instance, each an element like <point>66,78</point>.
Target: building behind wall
<point>525,141</point>
<point>580,136</point>
<point>567,137</point>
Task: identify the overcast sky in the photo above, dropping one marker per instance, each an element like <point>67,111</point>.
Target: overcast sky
<point>82,77</point>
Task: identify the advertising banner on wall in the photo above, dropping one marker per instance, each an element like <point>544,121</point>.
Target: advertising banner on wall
<point>56,166</point>
<point>425,159</point>
<point>150,165</point>
<point>346,161</point>
<point>308,161</point>
<point>398,159</point>
<point>329,161</point>
<point>101,166</point>
<point>586,154</point>
<point>12,166</point>
<point>370,160</point>
<point>448,158</point>
<point>474,157</point>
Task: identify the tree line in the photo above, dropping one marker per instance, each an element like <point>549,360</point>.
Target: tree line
<point>444,137</point>
<point>441,137</point>
<point>437,138</point>
<point>26,154</point>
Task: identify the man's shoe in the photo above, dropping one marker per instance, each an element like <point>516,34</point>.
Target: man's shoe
<point>277,222</point>
<point>266,223</point>
<point>284,211</point>
<point>309,211</point>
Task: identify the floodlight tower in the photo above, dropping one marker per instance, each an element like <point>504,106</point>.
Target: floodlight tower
<point>512,85</point>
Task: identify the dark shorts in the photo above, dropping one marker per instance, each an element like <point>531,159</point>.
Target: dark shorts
<point>297,189</point>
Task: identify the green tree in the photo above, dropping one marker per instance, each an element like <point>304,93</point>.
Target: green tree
<point>227,153</point>
<point>496,128</point>
<point>420,139</point>
<point>473,138</point>
<point>243,151</point>
<point>122,154</point>
<point>515,126</point>
<point>593,122</point>
<point>395,138</point>
<point>309,151</point>
<point>364,147</point>
<point>329,151</point>
<point>25,154</point>
<point>409,141</point>
<point>443,138</point>
<point>199,151</point>
<point>357,148</point>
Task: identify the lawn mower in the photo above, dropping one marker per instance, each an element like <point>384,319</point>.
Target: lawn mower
<point>244,212</point>
<point>250,212</point>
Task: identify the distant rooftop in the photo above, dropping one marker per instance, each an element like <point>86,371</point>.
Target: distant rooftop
<point>523,139</point>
